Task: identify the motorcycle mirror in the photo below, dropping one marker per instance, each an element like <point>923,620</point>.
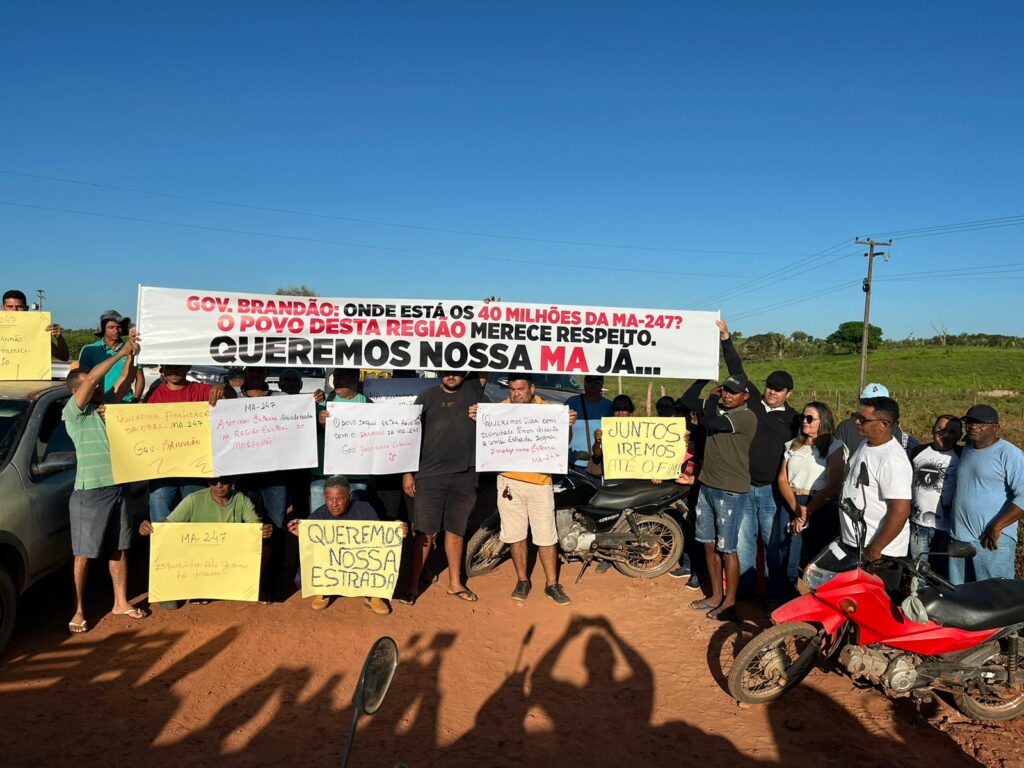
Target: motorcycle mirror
<point>375,679</point>
<point>960,549</point>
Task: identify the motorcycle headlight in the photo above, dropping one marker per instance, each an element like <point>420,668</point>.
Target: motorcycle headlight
<point>814,577</point>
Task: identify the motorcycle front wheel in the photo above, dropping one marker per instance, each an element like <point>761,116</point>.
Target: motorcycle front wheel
<point>761,672</point>
<point>663,546</point>
<point>990,706</point>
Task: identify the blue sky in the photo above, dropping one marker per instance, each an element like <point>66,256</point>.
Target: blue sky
<point>678,155</point>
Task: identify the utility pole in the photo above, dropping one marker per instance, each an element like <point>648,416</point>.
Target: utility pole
<point>866,286</point>
<point>42,295</point>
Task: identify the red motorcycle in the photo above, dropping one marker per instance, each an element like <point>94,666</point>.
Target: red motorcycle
<point>962,640</point>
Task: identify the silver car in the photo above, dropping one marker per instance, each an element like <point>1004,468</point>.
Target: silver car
<point>37,475</point>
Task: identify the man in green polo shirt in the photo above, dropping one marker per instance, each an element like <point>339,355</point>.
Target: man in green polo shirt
<point>100,522</point>
<point>113,326</point>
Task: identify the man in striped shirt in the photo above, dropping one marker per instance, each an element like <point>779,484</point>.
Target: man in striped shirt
<point>100,521</point>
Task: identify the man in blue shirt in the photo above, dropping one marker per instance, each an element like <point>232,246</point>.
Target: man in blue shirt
<point>113,326</point>
<point>989,500</point>
<point>339,505</point>
<point>590,407</point>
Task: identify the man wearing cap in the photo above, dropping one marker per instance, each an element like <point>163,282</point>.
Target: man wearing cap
<point>724,490</point>
<point>113,326</point>
<point>852,439</point>
<point>989,499</point>
<point>15,301</point>
<point>777,424</point>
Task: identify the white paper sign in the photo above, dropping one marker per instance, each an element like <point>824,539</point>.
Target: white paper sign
<point>372,438</point>
<point>261,434</point>
<point>396,390</point>
<point>522,438</point>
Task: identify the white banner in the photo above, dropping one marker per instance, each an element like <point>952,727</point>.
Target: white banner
<point>522,438</point>
<point>372,438</point>
<point>193,327</point>
<point>261,434</point>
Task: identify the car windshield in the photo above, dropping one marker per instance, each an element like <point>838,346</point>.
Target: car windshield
<point>13,414</point>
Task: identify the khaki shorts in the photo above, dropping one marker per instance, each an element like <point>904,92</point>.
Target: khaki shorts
<point>531,506</point>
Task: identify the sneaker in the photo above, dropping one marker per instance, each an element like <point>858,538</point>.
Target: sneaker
<point>556,593</point>
<point>680,572</point>
<point>320,602</point>
<point>693,582</point>
<point>522,590</point>
<point>378,606</point>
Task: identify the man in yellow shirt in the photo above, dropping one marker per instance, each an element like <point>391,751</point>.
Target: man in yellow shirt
<point>526,500</point>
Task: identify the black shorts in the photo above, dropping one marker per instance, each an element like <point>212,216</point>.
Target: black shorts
<point>446,500</point>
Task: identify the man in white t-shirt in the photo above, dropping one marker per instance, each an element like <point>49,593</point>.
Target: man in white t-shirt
<point>878,481</point>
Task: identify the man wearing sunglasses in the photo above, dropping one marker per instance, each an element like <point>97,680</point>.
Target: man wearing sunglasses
<point>989,499</point>
<point>777,424</point>
<point>878,482</point>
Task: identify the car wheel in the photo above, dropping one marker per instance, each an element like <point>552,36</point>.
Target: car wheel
<point>8,607</point>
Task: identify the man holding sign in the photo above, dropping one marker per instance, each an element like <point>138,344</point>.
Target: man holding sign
<point>100,521</point>
<point>15,301</point>
<point>526,501</point>
<point>339,505</point>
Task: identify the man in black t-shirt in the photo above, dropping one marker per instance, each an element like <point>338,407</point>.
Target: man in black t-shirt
<point>444,488</point>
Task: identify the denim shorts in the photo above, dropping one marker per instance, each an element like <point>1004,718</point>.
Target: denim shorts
<point>718,518</point>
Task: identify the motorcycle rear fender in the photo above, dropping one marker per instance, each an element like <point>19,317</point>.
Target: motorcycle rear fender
<point>812,610</point>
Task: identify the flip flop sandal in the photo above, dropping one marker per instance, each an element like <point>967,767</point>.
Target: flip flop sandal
<point>729,614</point>
<point>702,605</point>
<point>133,613</point>
<point>465,595</point>
<point>409,599</point>
<point>78,628</point>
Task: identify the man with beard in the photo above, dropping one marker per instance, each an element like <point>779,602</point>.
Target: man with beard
<point>444,488</point>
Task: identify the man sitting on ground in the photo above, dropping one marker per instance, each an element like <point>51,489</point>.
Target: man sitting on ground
<point>339,505</point>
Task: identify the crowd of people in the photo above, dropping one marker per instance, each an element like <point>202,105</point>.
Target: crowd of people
<point>768,482</point>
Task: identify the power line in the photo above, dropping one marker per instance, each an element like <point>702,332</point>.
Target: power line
<point>378,222</point>
<point>323,241</point>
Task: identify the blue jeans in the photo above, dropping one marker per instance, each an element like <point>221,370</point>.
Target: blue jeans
<point>165,495</point>
<point>765,514</point>
<point>986,564</point>
<point>718,516</point>
<point>316,492</point>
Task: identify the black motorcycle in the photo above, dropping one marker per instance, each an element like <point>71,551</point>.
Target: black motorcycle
<point>627,525</point>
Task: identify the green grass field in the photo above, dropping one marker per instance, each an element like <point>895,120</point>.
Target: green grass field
<point>925,381</point>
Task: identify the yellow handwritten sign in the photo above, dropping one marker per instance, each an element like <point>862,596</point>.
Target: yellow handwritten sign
<point>212,561</point>
<point>24,346</point>
<point>148,442</point>
<point>643,448</point>
<point>358,559</point>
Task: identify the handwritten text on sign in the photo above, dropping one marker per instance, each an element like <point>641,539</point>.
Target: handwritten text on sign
<point>212,561</point>
<point>522,438</point>
<point>358,559</point>
<point>156,440</point>
<point>262,434</point>
<point>24,346</point>
<point>211,327</point>
<point>643,448</point>
<point>372,438</point>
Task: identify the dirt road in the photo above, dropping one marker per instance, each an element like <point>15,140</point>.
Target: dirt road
<point>627,675</point>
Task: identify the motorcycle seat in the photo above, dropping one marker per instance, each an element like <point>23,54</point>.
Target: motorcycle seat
<point>635,493</point>
<point>988,604</point>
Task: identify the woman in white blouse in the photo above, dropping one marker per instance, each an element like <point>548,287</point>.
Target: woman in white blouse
<point>811,474</point>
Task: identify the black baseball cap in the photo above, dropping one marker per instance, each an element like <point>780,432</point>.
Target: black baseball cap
<point>779,380</point>
<point>982,414</point>
<point>736,383</point>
